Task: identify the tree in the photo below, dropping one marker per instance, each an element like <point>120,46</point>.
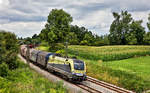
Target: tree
<point>43,35</point>
<point>78,31</point>
<point>148,23</point>
<point>84,36</point>
<point>88,38</point>
<point>137,32</point>
<point>2,47</point>
<point>34,36</point>
<point>28,40</point>
<point>105,39</point>
<point>147,38</point>
<point>8,49</point>
<point>57,27</point>
<point>147,35</point>
<point>73,40</point>
<point>120,28</point>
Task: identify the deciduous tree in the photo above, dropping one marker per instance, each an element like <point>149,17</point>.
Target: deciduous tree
<point>120,28</point>
<point>57,27</point>
<point>8,49</point>
<point>148,23</point>
<point>137,32</point>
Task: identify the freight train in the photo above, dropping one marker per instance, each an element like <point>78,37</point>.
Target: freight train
<point>71,69</point>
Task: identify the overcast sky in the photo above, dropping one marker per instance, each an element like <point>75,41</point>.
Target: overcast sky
<point>27,17</point>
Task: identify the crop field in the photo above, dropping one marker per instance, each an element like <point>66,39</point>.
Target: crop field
<point>109,53</point>
<point>124,66</point>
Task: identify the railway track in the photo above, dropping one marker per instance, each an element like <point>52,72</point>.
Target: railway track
<point>108,86</point>
<point>87,88</point>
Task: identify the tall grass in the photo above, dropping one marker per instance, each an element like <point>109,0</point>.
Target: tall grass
<point>109,53</point>
<point>25,80</point>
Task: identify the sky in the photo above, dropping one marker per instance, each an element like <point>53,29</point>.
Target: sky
<point>28,17</point>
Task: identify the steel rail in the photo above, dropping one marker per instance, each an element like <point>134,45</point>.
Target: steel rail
<point>108,86</point>
<point>87,88</point>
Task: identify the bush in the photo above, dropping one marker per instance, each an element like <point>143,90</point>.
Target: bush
<point>84,42</point>
<point>55,47</point>
<point>4,69</point>
<point>63,52</point>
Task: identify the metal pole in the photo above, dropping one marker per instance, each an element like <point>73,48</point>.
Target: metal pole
<point>66,49</point>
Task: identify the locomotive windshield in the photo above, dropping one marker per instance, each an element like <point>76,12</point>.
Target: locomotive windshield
<point>78,65</point>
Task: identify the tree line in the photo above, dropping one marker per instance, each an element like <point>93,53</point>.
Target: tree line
<point>124,30</point>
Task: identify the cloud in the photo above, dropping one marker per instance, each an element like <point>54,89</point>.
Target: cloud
<point>24,16</point>
<point>23,29</point>
<point>97,19</point>
<point>143,15</point>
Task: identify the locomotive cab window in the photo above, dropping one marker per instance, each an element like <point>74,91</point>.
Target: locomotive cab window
<point>78,65</point>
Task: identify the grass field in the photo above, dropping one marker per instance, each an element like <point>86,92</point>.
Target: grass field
<point>132,72</point>
<point>139,66</point>
<point>25,80</point>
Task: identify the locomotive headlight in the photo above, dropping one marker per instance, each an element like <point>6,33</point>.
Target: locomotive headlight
<point>79,74</point>
<point>73,72</point>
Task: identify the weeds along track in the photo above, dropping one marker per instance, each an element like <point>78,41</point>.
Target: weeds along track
<point>108,86</point>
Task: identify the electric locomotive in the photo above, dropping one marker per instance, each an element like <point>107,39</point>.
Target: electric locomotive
<point>73,69</point>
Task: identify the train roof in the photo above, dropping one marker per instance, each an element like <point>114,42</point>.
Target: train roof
<point>35,51</point>
<point>77,61</point>
<point>43,53</point>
